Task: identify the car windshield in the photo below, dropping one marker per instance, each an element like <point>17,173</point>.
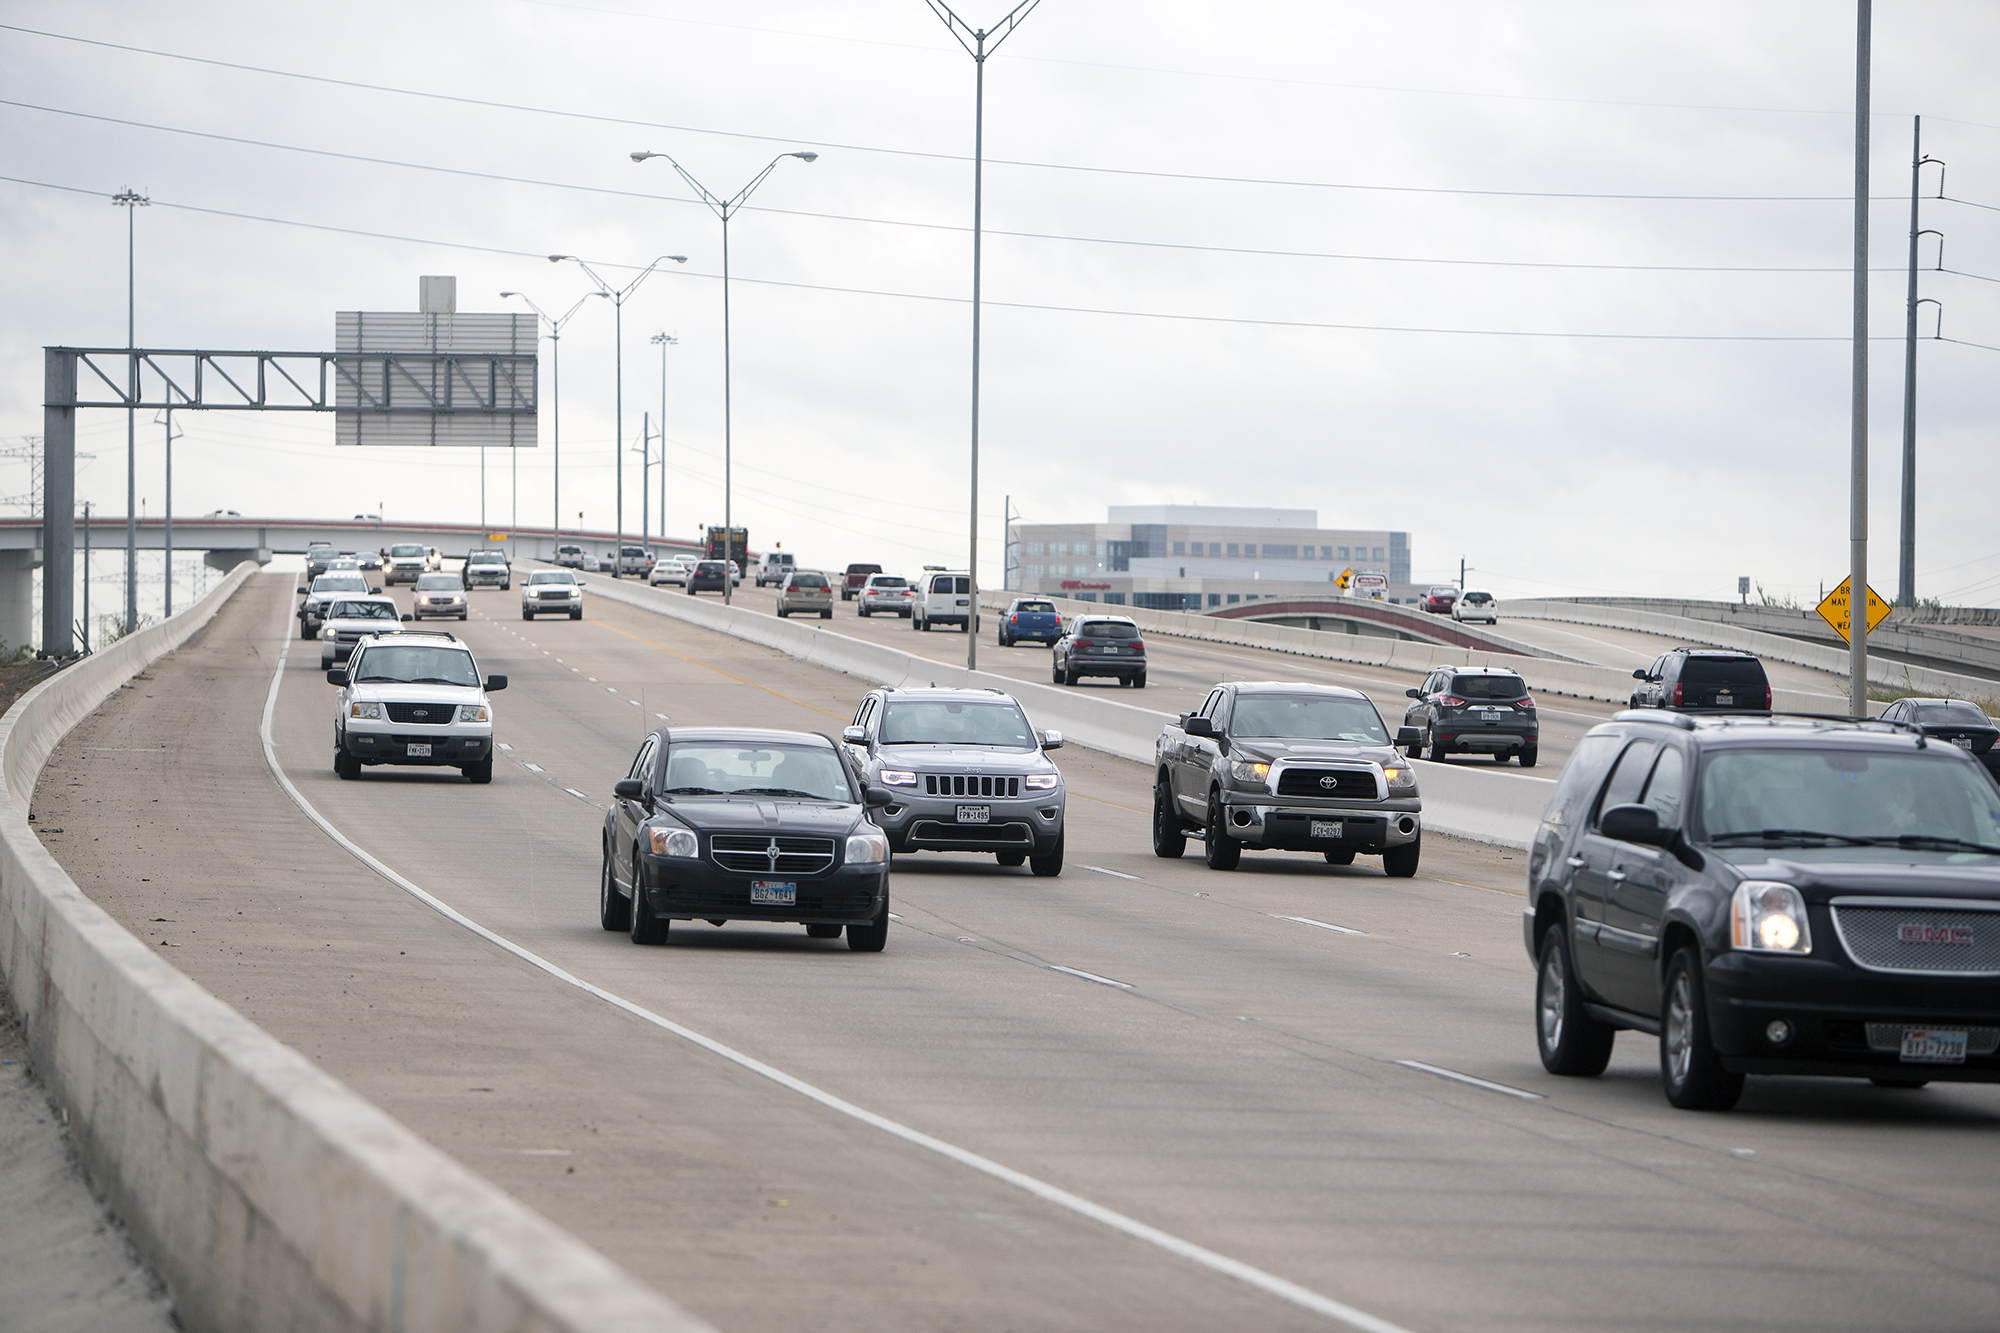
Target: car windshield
<point>1307,717</point>
<point>436,582</point>
<point>361,611</point>
<point>1488,687</point>
<point>339,583</point>
<point>416,664</point>
<point>997,722</point>
<point>1478,598</point>
<point>709,567</point>
<point>1106,629</point>
<point>1444,592</point>
<point>1722,671</point>
<point>1913,799</point>
<point>1045,608</point>
<point>1954,714</point>
<point>552,576</point>
<point>724,768</point>
<point>406,550</point>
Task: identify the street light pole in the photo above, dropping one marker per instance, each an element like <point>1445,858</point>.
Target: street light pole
<point>1906,564</point>
<point>1857,492</point>
<point>663,341</point>
<point>974,40</point>
<point>618,295</point>
<point>555,327</point>
<point>725,209</point>
<point>131,201</point>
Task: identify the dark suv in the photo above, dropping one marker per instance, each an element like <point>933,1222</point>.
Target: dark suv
<point>1768,895</point>
<point>1692,678</point>
<point>1099,646</point>
<point>1477,710</point>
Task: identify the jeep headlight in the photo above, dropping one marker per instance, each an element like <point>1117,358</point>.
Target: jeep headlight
<point>472,713</point>
<point>365,712</point>
<point>1769,918</point>
<point>896,777</point>
<point>864,849</point>
<point>1400,777</point>
<point>1041,781</point>
<point>675,842</point>
<point>1250,770</point>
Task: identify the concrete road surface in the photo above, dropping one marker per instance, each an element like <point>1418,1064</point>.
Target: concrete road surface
<point>1216,1058</point>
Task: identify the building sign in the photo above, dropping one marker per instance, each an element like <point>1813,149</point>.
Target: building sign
<point>1069,584</point>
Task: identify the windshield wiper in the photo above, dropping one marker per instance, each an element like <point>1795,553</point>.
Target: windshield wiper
<point>693,791</point>
<point>440,680</point>
<point>1933,841</point>
<point>780,791</point>
<point>1788,835</point>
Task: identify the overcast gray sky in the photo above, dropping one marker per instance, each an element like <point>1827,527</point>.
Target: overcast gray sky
<point>1400,171</point>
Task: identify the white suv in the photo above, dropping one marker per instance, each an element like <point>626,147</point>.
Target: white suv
<point>413,698</point>
<point>550,590</point>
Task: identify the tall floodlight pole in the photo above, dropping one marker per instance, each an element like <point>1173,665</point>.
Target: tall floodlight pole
<point>725,209</point>
<point>618,296</point>
<point>131,201</point>
<point>555,328</point>
<point>663,341</point>
<point>1857,485</point>
<point>168,416</point>
<point>975,42</point>
<point>645,479</point>
<point>1906,564</point>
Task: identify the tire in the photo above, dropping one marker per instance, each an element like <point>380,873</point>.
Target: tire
<point>1401,862</point>
<point>822,930</point>
<point>1340,858</point>
<point>1571,1042</point>
<point>1438,750</point>
<point>527,615</point>
<point>1139,681</point>
<point>576,614</point>
<point>306,632</point>
<point>1693,1078</point>
<point>1010,858</point>
<point>327,663</point>
<point>925,626</point>
<point>860,611</point>
<point>1529,756</point>
<point>645,927</point>
<point>1055,672</point>
<point>783,614</point>
<point>346,765</point>
<point>1501,756</point>
<point>1221,851</point>
<point>1124,682</point>
<point>1050,865</point>
<point>614,909</point>
<point>826,614</point>
<point>1006,642</point>
<point>1070,677</point>
<point>480,773</point>
<point>1169,843</point>
<point>871,937</point>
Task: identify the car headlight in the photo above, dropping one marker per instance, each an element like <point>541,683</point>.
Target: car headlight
<point>472,713</point>
<point>1250,770</point>
<point>896,777</point>
<point>1400,777</point>
<point>675,842</point>
<point>366,712</point>
<point>867,849</point>
<point>1041,781</point>
<point>1769,918</point>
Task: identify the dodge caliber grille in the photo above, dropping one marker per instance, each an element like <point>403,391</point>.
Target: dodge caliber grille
<point>433,715</point>
<point>750,854</point>
<point>1884,937</point>
<point>1349,784</point>
<point>969,784</point>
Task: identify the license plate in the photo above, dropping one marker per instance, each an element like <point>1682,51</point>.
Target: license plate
<point>1931,1046</point>
<point>975,814</point>
<point>1490,715</point>
<point>1724,699</point>
<point>1962,742</point>
<point>1110,651</point>
<point>1327,828</point>
<point>419,750</point>
<point>774,891</point>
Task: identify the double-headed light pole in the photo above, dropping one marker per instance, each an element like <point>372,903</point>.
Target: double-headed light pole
<point>979,43</point>
<point>555,327</point>
<point>618,295</point>
<point>663,340</point>
<point>725,209</point>
<point>131,201</point>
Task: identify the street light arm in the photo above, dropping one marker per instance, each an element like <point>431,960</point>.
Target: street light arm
<point>531,305</point>
<point>999,32</point>
<point>723,208</point>
<point>581,301</point>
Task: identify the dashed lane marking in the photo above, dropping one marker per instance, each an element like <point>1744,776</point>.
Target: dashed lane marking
<point>1115,874</point>
<point>1468,1079</point>
<point>1323,925</point>
<point>1092,976</point>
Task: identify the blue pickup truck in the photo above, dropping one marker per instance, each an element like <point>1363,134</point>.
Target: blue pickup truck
<point>1032,618</point>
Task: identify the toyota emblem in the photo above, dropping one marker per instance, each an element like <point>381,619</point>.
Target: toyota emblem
<point>1329,782</point>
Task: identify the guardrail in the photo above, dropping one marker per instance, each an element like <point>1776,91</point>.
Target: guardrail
<point>262,1192</point>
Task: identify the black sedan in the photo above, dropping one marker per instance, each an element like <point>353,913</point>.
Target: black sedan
<point>1963,724</point>
<point>733,824</point>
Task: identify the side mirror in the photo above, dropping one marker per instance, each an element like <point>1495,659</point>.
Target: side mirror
<point>1409,738</point>
<point>1635,823</point>
<point>407,617</point>
<point>854,735</point>
<point>495,684</point>
<point>1640,674</point>
<point>1200,726</point>
<point>628,789</point>
<point>1052,740</point>
<point>303,589</point>
<point>374,592</point>
<point>337,676</point>
<point>1413,693</point>
<point>1184,720</point>
<point>877,797</point>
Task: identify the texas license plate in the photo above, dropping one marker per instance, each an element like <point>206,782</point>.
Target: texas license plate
<point>419,750</point>
<point>1725,699</point>
<point>1327,828</point>
<point>1930,1046</point>
<point>975,814</point>
<point>1962,742</point>
<point>781,892</point>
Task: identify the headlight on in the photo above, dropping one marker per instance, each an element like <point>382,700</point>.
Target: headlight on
<point>1041,781</point>
<point>896,777</point>
<point>1250,770</point>
<point>1400,777</point>
<point>366,712</point>
<point>1769,918</point>
<point>675,842</point>
<point>472,713</point>
<point>867,849</point>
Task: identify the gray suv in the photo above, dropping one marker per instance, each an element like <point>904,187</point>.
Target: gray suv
<point>967,772</point>
<point>1475,710</point>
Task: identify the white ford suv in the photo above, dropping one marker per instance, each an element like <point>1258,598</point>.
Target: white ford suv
<point>415,697</point>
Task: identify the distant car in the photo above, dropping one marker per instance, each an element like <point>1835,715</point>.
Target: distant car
<point>485,569</point>
<point>413,698</point>
<point>569,557</point>
<point>1705,679</point>
<point>345,564</point>
<point>593,563</point>
<point>672,569</point>
<point>433,559</point>
<point>368,518</point>
<point>1964,724</point>
<point>805,590</point>
<point>890,593</point>
<point>318,556</point>
<point>1099,646</point>
<point>1475,710</point>
<point>853,580</point>
<point>1440,599</point>
<point>635,560</point>
<point>707,576</point>
<point>774,566</point>
<point>327,588</point>
<point>223,513</point>
<point>440,595</point>
<point>735,574</point>
<point>370,560</point>
<point>495,555</point>
<point>943,598</point>
<point>1476,605</point>
<point>1030,620</point>
<point>348,620</point>
<point>405,562</point>
<point>551,590</point>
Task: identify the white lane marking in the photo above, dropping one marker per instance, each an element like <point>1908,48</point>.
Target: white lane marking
<point>1092,976</point>
<point>1457,1077</point>
<point>579,795</point>
<point>895,916</point>
<point>634,702</point>
<point>503,745</point>
<point>593,680</point>
<point>1270,1283</point>
<point>533,768</point>
<point>661,716</point>
<point>1115,874</point>
<point>1323,925</point>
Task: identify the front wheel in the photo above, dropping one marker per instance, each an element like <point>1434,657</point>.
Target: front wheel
<point>576,614</point>
<point>308,631</point>
<point>1694,1077</point>
<point>527,615</point>
<point>1340,858</point>
<point>480,773</point>
<point>1221,851</point>
<point>614,909</point>
<point>346,765</point>
<point>1401,862</point>
<point>1438,749</point>
<point>1048,865</point>
<point>646,928</point>
<point>871,937</point>
<point>1572,1043</point>
<point>821,930</point>
<point>1169,842</point>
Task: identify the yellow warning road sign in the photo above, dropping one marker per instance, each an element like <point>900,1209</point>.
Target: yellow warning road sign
<point>1345,580</point>
<point>1834,609</point>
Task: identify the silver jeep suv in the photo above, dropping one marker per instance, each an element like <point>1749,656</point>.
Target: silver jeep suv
<point>967,772</point>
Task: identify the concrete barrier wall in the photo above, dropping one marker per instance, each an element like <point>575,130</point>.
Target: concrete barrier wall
<point>262,1192</point>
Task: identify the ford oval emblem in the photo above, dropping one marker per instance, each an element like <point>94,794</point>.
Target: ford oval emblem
<point>418,712</point>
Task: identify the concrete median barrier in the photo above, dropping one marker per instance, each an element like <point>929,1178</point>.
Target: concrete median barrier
<point>262,1192</point>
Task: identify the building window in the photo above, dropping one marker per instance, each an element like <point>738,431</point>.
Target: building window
<point>1114,599</point>
<point>1232,599</point>
<point>1378,553</point>
<point>1031,571</point>
<point>1215,599</point>
<point>1326,553</point>
<point>1085,596</point>
<point>1343,552</point>
<point>1180,548</point>
<point>1249,596</point>
<point>1232,550</point>
<point>1284,553</point>
<point>1032,548</point>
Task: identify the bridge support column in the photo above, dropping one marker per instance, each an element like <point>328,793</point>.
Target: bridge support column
<point>58,504</point>
<point>17,598</point>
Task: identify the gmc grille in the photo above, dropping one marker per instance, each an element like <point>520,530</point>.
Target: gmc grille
<point>1348,784</point>
<point>969,784</point>
<point>750,854</point>
<point>1885,938</point>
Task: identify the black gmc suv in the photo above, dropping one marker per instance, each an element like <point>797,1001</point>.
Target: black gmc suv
<point>1768,895</point>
